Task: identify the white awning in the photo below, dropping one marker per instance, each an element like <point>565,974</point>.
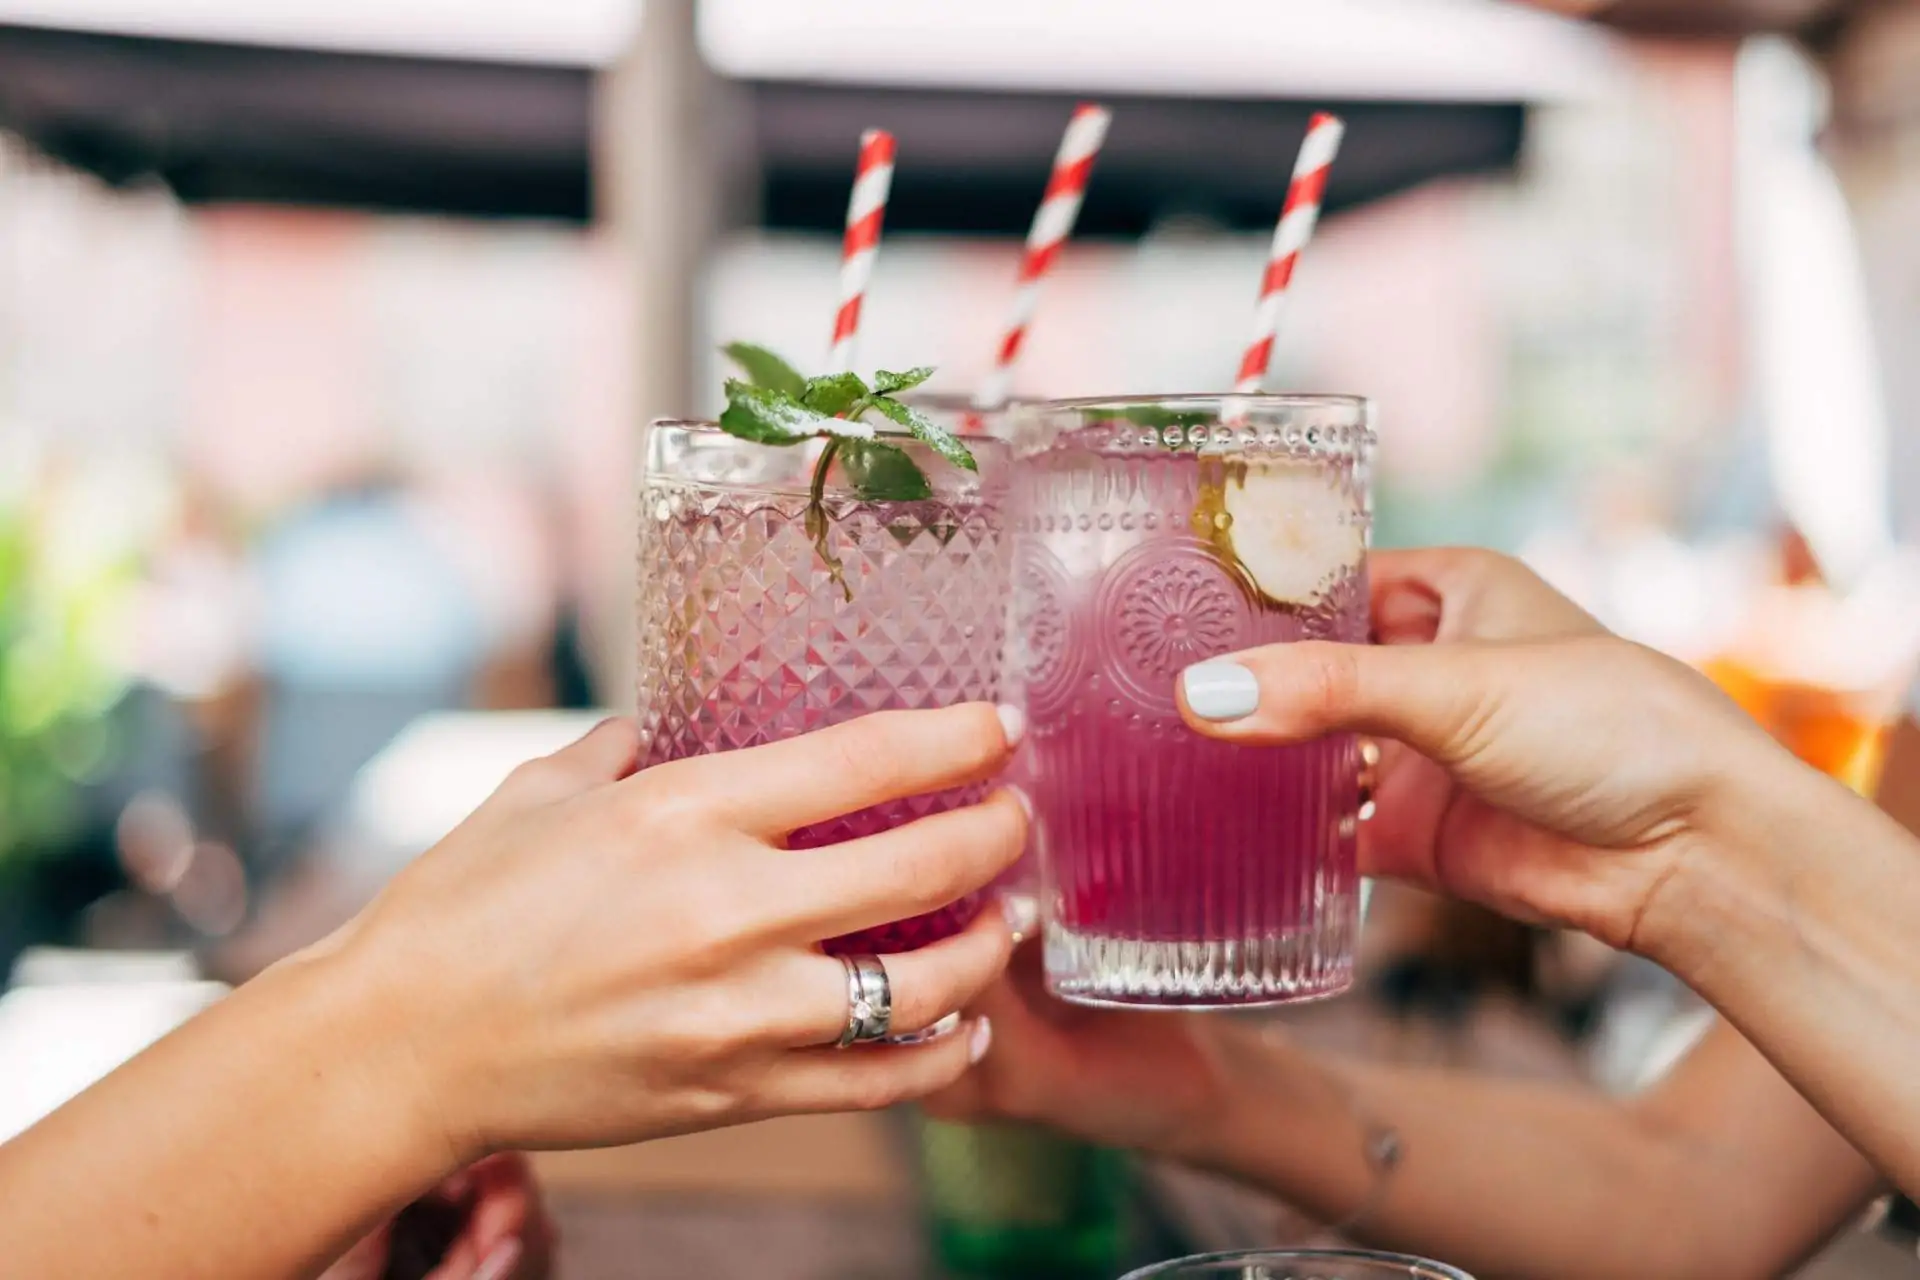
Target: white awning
<point>581,33</point>
<point>1406,50</point>
<point>1403,50</point>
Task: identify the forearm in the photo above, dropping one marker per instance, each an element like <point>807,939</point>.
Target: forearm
<point>1803,927</point>
<point>259,1140</point>
<point>1501,1177</point>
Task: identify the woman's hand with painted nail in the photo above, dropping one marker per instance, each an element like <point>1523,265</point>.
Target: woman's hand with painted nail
<point>1519,773</point>
<point>600,958</point>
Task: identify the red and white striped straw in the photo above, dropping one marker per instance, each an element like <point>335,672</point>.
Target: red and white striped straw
<point>866,210</point>
<point>1297,218</point>
<point>1052,224</point>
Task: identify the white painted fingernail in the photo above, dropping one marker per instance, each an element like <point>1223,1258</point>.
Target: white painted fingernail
<point>1013,723</point>
<point>499,1264</point>
<point>1220,690</point>
<point>1026,801</point>
<point>979,1040</point>
<point>1021,913</point>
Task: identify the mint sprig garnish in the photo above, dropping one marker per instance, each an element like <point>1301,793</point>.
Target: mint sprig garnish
<point>767,417</point>
<point>887,383</point>
<point>928,432</point>
<point>765,369</point>
<point>777,405</point>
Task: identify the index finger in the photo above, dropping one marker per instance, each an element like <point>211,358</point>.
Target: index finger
<point>773,789</point>
<point>1467,593</point>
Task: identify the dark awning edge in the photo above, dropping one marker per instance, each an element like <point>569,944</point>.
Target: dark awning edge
<point>230,122</point>
<point>977,162</point>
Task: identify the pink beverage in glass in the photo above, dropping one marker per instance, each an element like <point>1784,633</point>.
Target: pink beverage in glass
<point>746,638</point>
<point>1152,535</point>
<point>961,416</point>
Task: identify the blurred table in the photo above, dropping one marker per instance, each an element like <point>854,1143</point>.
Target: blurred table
<point>808,1198</point>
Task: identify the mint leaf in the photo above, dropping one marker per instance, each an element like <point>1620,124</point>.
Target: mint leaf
<point>766,416</point>
<point>776,405</point>
<point>765,369</point>
<point>886,383</point>
<point>928,432</point>
<point>834,394</point>
<point>883,472</point>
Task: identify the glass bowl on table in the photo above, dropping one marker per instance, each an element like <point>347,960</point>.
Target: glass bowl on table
<point>1300,1264</point>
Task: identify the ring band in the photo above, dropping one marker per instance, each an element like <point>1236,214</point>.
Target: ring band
<point>869,1001</point>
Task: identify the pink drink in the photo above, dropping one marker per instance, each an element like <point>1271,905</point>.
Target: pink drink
<point>1177,870</point>
<point>746,639</point>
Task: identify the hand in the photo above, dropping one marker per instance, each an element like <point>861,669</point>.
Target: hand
<point>1141,1081</point>
<point>597,958</point>
<point>485,1223</point>
<point>1546,769</point>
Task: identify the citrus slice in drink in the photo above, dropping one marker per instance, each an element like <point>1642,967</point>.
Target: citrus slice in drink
<point>1290,525</point>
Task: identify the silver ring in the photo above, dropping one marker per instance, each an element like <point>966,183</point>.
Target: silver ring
<point>869,1001</point>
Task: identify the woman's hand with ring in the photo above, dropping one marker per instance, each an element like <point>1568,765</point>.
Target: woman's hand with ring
<point>599,957</point>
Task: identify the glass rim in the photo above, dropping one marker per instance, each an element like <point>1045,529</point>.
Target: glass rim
<point>708,427</point>
<point>1419,1268</point>
<point>1253,400</point>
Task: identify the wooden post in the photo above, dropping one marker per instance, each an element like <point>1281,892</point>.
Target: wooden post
<point>661,143</point>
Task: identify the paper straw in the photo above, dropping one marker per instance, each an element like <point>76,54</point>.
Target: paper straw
<point>872,181</point>
<point>1290,237</point>
<point>1052,224</point>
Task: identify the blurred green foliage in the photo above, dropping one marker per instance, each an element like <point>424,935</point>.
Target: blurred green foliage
<point>57,687</point>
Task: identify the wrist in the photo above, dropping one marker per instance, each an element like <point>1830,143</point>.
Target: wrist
<point>1731,887</point>
<point>1190,1125</point>
<point>368,1054</point>
<point>1285,1120</point>
<point>1249,1069</point>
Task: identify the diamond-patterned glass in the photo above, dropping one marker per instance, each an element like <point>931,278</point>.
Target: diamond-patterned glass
<point>745,638</point>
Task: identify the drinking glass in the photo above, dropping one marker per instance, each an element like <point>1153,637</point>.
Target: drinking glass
<point>1300,1264</point>
<point>1009,1200</point>
<point>746,637</point>
<point>1149,535</point>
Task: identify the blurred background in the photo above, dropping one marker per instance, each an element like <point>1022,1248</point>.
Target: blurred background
<point>325,330</point>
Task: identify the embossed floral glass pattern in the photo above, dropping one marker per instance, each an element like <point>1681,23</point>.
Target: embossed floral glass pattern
<point>1151,535</point>
<point>1301,1264</point>
<point>745,638</point>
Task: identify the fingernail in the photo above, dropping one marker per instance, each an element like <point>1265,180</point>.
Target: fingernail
<point>1026,801</point>
<point>499,1264</point>
<point>979,1040</point>
<point>1021,913</point>
<point>1221,689</point>
<point>1013,723</point>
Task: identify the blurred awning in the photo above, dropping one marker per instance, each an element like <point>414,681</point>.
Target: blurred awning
<point>975,162</point>
<point>486,108</point>
<point>219,121</point>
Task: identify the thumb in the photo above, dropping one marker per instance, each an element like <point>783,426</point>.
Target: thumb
<point>1432,697</point>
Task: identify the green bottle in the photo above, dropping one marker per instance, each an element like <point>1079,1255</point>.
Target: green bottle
<point>1007,1201</point>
